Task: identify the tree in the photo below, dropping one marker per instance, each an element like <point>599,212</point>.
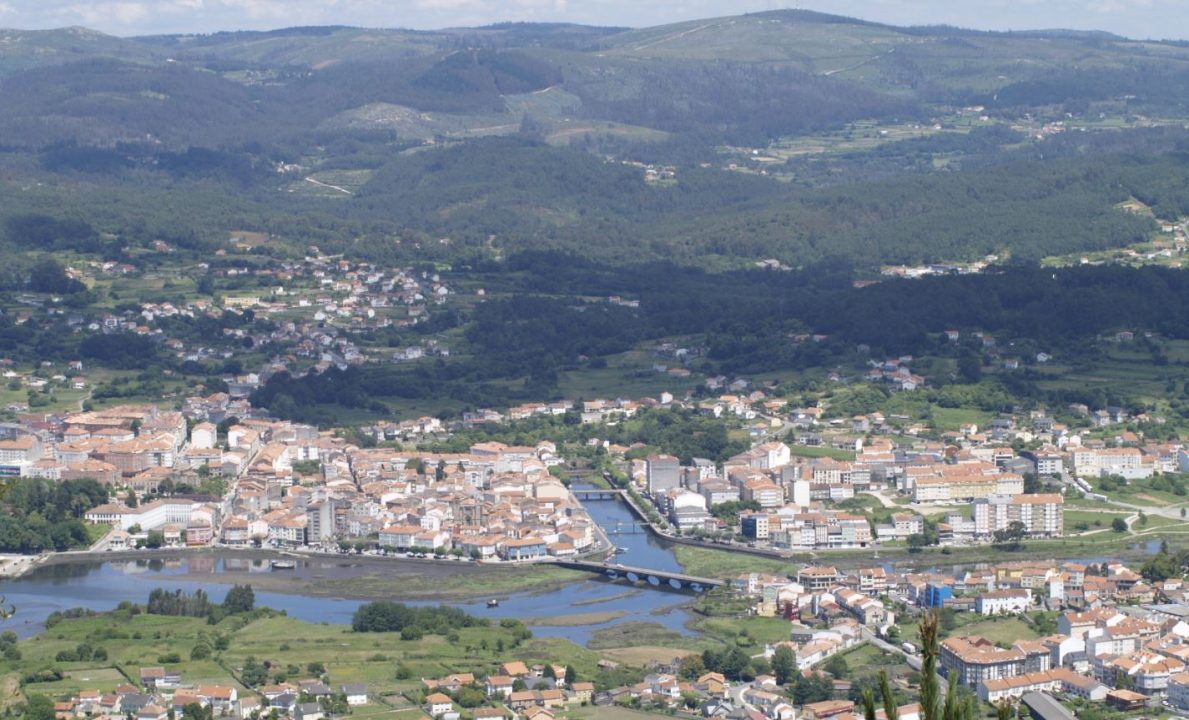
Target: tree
<point>39,707</point>
<point>930,689</point>
<point>254,674</point>
<point>889,698</point>
<point>837,667</point>
<point>571,675</point>
<point>240,599</point>
<point>154,539</point>
<point>197,711</point>
<point>868,702</point>
<point>1119,525</point>
<point>1009,538</point>
<point>1161,566</point>
<point>784,664</point>
<point>691,667</point>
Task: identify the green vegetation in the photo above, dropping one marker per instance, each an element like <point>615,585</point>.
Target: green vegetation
<point>709,562</point>
<point>384,616</point>
<point>237,645</point>
<point>38,515</point>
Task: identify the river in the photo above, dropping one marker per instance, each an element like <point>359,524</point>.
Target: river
<point>102,585</point>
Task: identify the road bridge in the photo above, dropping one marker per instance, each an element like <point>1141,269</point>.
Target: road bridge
<point>656,578</point>
<point>596,493</point>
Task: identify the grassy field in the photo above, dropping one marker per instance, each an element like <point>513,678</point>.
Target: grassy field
<point>866,661</point>
<point>708,562</point>
<point>820,452</point>
<point>999,630</point>
<point>953,418</point>
<point>611,712</point>
<point>1082,520</point>
<point>641,634</point>
<point>590,618</point>
<point>132,642</point>
<point>406,582</point>
<point>629,374</point>
<point>1005,630</point>
<point>1142,492</point>
<point>750,633</point>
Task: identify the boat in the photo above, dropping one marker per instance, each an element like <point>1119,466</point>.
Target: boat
<point>282,564</point>
<point>620,550</point>
<point>493,603</point>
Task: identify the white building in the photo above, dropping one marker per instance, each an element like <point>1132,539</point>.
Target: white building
<point>1003,602</point>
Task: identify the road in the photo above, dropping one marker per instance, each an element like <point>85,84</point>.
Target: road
<point>1173,512</point>
<point>913,661</point>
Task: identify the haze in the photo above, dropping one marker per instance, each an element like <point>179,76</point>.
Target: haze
<point>1156,19</point>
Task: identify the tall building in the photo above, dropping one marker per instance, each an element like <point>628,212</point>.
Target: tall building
<point>663,473</point>
<point>1041,515</point>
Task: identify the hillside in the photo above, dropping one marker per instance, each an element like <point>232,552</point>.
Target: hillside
<point>790,135</point>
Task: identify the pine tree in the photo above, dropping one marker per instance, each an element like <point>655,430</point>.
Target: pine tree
<point>930,689</point>
<point>889,698</point>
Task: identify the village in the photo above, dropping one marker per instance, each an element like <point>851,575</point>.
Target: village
<point>1099,633</point>
<point>217,473</point>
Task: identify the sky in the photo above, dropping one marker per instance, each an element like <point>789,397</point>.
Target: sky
<point>1155,19</point>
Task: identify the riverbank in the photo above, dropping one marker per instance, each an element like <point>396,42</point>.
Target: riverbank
<point>351,577</point>
<point>131,641</point>
<point>14,566</point>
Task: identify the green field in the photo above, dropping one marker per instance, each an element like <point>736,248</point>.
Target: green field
<point>1000,630</point>
<point>1084,520</point>
<point>708,562</point>
<point>821,452</point>
<point>628,375</point>
<point>136,641</point>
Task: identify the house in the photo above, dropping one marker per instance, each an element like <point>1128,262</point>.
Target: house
<point>826,709</point>
<point>308,711</point>
<point>522,700</point>
<point>581,692</point>
<point>356,694</point>
<point>1003,602</point>
<point>499,686</point>
<point>438,704</point>
<point>219,697</point>
<point>158,678</point>
<point>713,683</point>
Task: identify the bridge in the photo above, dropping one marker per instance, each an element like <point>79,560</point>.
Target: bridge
<point>656,578</point>
<point>631,527</point>
<point>596,493</point>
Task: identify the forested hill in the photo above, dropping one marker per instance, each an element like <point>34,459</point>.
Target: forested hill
<point>792,136</point>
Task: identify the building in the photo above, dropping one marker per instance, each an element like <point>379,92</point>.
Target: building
<point>936,595</point>
<point>754,525</point>
<point>662,472</point>
<point>1003,602</point>
<point>817,579</point>
<point>976,659</point>
<point>1126,462</point>
<point>1178,691</point>
<point>438,704</point>
<point>1041,515</point>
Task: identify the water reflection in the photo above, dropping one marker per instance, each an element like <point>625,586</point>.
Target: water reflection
<point>102,586</point>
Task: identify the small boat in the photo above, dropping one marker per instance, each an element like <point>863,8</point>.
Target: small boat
<point>493,603</point>
<point>282,564</point>
<point>620,550</point>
